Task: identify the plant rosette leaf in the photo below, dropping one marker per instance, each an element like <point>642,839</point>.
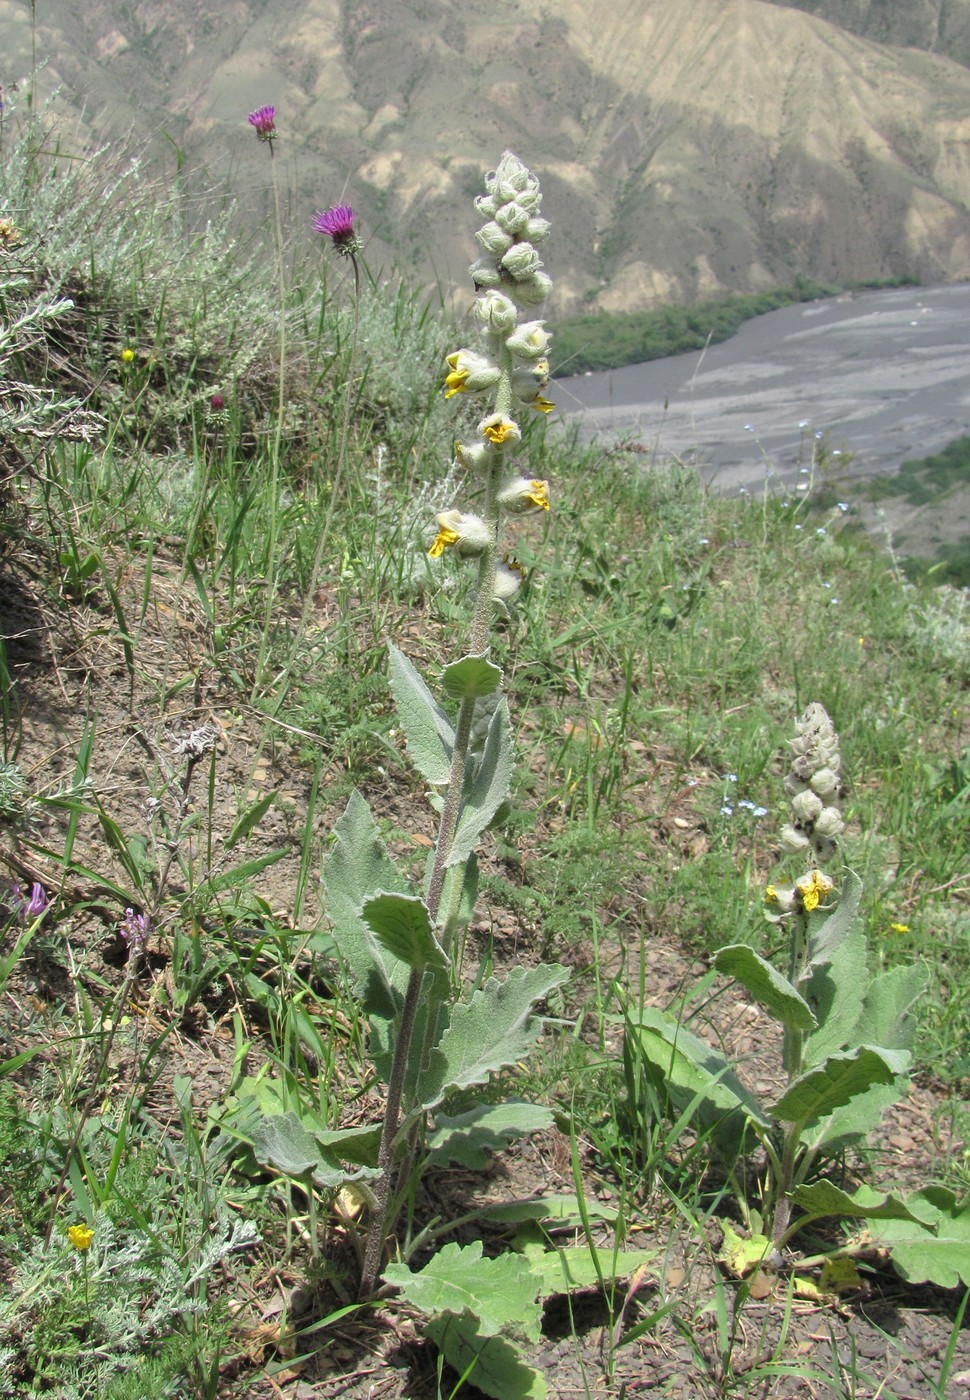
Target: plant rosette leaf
<point>470,678</point>
<point>401,923</point>
<point>836,1082</point>
<point>282,1142</point>
<point>501,1294</point>
<point>494,1365</point>
<point>688,1065</point>
<point>429,732</point>
<point>467,1139</point>
<point>937,1251</point>
<point>766,985</point>
<point>562,1270</point>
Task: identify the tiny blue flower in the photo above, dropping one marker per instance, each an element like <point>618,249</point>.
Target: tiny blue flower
<point>727,810</point>
<point>843,506</point>
<point>760,812</point>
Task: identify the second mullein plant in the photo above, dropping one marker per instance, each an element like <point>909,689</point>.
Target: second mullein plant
<point>431,1037</point>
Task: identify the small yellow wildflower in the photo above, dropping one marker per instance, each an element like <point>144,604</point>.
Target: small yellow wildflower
<point>456,382</point>
<point>812,887</point>
<point>771,895</point>
<point>443,540</point>
<point>80,1236</point>
<point>899,928</point>
<point>542,405</point>
<point>500,431</point>
<point>127,355</point>
<point>9,235</point>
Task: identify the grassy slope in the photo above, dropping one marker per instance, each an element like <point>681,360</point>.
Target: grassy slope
<point>193,562</point>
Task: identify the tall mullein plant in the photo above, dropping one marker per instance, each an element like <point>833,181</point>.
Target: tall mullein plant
<point>429,1036</point>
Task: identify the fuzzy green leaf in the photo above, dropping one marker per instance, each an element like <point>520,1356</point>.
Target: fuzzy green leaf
<point>937,1253</point>
<point>495,1028</point>
<point>486,786</point>
<point>428,730</point>
<point>501,1293</point>
<point>836,1082</point>
<point>689,1067</point>
<point>281,1141</point>
<point>401,924</point>
<point>836,991</point>
<point>357,867</point>
<point>824,1198</point>
<point>468,1138</point>
<point>766,985</point>
<point>561,1270</point>
<point>498,1368</point>
<point>471,677</point>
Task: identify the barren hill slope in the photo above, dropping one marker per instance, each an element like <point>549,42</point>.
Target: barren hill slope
<point>724,145</point>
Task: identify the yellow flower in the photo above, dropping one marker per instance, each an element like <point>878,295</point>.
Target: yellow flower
<point>521,494</point>
<point>468,533</point>
<point>127,355</point>
<point>80,1236</point>
<point>812,887</point>
<point>771,894</point>
<point>500,430</point>
<point>9,235</point>
<point>542,405</point>
<point>899,928</point>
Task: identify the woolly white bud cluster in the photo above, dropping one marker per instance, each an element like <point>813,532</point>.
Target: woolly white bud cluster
<point>812,785</point>
<point>511,365</point>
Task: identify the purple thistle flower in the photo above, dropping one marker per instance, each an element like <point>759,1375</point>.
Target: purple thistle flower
<point>338,224</point>
<point>217,403</point>
<point>264,121</point>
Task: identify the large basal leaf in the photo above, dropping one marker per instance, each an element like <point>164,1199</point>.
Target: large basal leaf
<point>494,1365</point>
<point>495,1028</point>
<point>823,1198</point>
<point>357,867</point>
<point>470,678</point>
<point>854,1121</point>
<point>826,931</point>
<point>486,786</point>
<point>501,1294</point>
<point>428,730</point>
<point>284,1143</point>
<point>938,1253</point>
<point>579,1266</point>
<point>836,1082</point>
<point>766,985</point>
<point>686,1063</point>
<point>401,923</point>
<point>468,1138</point>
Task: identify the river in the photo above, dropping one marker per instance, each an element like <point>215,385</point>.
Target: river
<point>884,376</point>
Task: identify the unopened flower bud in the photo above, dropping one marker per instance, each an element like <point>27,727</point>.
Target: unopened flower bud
<point>826,783</point>
<point>536,229</point>
<point>829,823</point>
<point>793,842</point>
<point>521,261</point>
<point>473,456</point>
<point>485,274</point>
<point>512,218</point>
<point>806,806</point>
<point>530,341</point>
<point>494,239</point>
<point>497,313</point>
<point>534,290</point>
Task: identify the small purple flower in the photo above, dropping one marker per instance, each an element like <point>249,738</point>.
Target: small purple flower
<point>217,403</point>
<point>31,908</point>
<point>264,122</point>
<point>338,223</point>
<point>134,929</point>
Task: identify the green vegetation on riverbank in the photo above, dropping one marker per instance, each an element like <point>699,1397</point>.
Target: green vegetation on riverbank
<point>606,341</point>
